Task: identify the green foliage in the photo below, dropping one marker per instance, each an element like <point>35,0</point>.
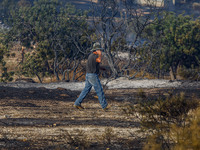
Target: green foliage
<point>177,41</point>
<point>4,74</point>
<point>181,137</point>
<point>5,10</point>
<point>57,32</point>
<point>173,109</point>
<point>119,44</point>
<point>159,115</point>
<point>34,64</point>
<point>191,73</point>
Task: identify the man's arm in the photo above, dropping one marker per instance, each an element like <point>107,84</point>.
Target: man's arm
<point>98,52</point>
<point>102,68</point>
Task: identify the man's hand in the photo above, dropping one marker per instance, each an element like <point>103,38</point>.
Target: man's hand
<point>98,52</point>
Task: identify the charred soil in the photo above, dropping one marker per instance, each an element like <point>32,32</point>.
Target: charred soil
<point>40,118</point>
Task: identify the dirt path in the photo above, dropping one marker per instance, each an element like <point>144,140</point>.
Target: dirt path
<point>39,118</point>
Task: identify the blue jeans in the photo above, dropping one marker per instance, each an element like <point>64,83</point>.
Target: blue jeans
<point>92,79</point>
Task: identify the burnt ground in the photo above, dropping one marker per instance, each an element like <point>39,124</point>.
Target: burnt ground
<point>40,118</point>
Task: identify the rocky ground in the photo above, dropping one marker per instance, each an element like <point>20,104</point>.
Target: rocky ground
<point>43,118</point>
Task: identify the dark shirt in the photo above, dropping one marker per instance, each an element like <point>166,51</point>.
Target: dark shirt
<point>92,66</point>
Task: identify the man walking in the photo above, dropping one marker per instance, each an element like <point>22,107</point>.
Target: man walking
<point>92,79</point>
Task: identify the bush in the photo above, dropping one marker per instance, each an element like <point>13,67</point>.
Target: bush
<point>77,140</point>
<point>4,74</point>
<point>158,115</point>
<point>189,74</point>
<point>181,137</point>
<point>187,137</point>
<point>108,135</point>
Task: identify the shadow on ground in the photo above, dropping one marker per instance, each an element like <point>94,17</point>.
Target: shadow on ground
<point>58,94</point>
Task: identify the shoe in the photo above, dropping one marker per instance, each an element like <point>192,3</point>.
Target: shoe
<point>107,107</point>
<point>78,107</point>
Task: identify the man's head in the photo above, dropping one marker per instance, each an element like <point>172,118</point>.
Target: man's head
<point>96,46</point>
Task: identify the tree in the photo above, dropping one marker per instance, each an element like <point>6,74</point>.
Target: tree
<point>119,25</point>
<point>6,7</point>
<point>59,34</point>
<point>178,42</point>
<point>4,74</point>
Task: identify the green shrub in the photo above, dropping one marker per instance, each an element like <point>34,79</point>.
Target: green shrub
<point>5,75</point>
<point>181,137</point>
<point>189,74</point>
<point>158,115</point>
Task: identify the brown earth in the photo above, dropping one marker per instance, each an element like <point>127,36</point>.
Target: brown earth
<point>39,118</point>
